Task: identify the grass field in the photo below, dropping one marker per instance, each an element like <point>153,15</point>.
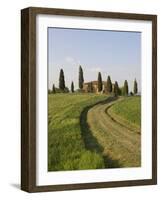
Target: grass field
<point>66,147</point>
<point>90,131</point>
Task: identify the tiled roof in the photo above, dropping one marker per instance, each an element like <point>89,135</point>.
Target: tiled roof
<point>94,82</point>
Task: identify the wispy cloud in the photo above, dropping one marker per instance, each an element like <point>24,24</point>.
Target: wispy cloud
<point>72,61</point>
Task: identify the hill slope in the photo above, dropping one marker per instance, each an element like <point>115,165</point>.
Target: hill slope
<point>66,147</point>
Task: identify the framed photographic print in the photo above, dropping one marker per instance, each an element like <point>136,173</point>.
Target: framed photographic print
<point>88,99</point>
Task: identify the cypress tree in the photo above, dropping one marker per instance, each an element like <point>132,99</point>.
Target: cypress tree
<point>99,82</point>
<point>135,87</point>
<point>61,80</point>
<point>53,89</point>
<point>81,78</point>
<point>116,89</point>
<point>126,89</point>
<point>72,87</point>
<point>109,85</point>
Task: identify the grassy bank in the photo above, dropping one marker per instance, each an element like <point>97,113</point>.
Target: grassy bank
<point>129,109</point>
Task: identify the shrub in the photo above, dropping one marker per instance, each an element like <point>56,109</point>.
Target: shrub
<point>53,89</point>
<point>135,87</point>
<point>66,90</point>
<point>49,91</point>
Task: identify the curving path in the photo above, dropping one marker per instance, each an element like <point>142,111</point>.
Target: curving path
<point>121,146</point>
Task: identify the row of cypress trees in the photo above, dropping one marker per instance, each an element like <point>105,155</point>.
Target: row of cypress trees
<point>115,89</point>
<point>62,86</point>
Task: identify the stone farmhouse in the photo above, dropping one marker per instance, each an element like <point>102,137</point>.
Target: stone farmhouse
<point>93,87</point>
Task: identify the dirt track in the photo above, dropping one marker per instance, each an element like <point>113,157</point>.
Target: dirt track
<point>119,144</point>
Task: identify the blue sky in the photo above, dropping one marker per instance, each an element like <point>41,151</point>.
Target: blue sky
<point>113,53</point>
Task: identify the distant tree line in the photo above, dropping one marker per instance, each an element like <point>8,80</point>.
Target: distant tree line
<point>110,88</point>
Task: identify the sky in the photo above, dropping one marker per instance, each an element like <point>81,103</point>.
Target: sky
<point>113,53</point>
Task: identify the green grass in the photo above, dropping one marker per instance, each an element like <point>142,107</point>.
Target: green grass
<point>66,147</point>
<point>83,136</point>
<point>129,109</point>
